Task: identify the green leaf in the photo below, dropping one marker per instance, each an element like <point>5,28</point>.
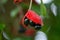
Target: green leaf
<point>2,26</point>
<point>27,38</point>
<point>43,9</point>
<point>16,39</point>
<point>14,12</point>
<point>36,8</point>
<point>24,6</point>
<point>3,1</point>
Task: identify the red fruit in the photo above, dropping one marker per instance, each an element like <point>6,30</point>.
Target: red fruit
<point>17,1</point>
<point>30,32</point>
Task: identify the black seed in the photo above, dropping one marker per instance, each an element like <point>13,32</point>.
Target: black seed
<point>37,27</point>
<point>32,23</point>
<point>26,21</point>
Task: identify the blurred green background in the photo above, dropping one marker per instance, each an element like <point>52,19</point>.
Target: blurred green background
<point>9,12</point>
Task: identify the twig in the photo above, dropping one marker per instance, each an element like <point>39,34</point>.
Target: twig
<point>30,5</point>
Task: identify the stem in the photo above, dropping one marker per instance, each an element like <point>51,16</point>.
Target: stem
<point>30,5</point>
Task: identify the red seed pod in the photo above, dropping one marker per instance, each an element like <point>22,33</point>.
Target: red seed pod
<point>17,1</point>
<point>29,32</point>
<point>31,15</point>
